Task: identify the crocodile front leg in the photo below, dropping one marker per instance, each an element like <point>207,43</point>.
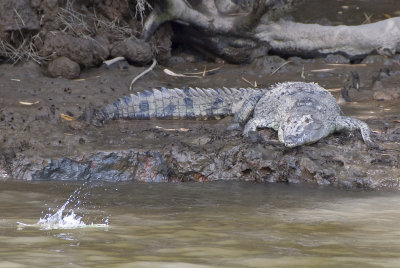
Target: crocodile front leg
<point>245,111</point>
<point>255,123</point>
<point>349,123</point>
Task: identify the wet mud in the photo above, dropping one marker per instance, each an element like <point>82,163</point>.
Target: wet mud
<point>38,143</point>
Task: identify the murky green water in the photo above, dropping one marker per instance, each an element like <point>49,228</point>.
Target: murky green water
<point>200,225</point>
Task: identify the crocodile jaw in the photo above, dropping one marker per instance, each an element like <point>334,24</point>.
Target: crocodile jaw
<point>303,129</point>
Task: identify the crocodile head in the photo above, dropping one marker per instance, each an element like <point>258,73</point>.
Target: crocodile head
<point>303,128</point>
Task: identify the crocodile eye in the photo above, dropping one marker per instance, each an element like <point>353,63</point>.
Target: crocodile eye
<point>307,120</point>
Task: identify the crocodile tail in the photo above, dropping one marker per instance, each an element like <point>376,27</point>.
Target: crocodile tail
<point>186,103</point>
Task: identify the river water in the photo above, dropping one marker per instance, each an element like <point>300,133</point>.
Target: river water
<point>222,224</point>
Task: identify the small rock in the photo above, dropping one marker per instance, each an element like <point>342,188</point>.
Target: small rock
<point>176,60</point>
<point>133,50</point>
<point>336,58</point>
<point>86,52</point>
<point>64,67</point>
<point>271,64</point>
<point>309,165</point>
<point>203,140</point>
<point>382,93</point>
<point>385,95</point>
<point>299,61</point>
<point>377,59</point>
<point>378,86</point>
<point>77,125</point>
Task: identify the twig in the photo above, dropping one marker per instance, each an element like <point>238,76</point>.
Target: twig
<point>348,64</point>
<point>112,61</point>
<point>253,85</point>
<point>322,70</point>
<point>16,12</point>
<point>143,73</point>
<point>238,14</point>
<point>171,73</point>
<point>208,71</point>
<point>277,69</point>
<point>367,18</point>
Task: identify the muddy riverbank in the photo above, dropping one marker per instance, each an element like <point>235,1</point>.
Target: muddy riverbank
<point>38,144</point>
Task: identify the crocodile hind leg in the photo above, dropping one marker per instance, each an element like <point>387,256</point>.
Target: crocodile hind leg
<point>245,111</point>
<point>348,123</point>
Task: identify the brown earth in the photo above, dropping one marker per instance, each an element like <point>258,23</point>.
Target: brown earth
<point>37,143</point>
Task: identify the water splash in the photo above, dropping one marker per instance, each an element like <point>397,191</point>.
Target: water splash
<point>59,220</point>
<point>66,219</point>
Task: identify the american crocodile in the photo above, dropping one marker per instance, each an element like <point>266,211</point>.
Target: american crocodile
<point>302,113</point>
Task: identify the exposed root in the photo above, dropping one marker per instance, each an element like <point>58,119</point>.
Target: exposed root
<point>140,8</point>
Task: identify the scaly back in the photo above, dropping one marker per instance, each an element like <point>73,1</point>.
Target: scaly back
<point>186,103</point>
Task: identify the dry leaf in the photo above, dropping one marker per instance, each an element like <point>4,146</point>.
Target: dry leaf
<point>67,117</point>
<point>334,89</point>
<point>28,103</point>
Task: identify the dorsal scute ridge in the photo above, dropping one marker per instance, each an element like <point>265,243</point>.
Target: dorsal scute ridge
<point>148,93</point>
<point>232,91</point>
<point>213,91</point>
<point>201,92</point>
<point>193,92</point>
<point>180,92</point>
<point>208,92</point>
<point>156,92</point>
<point>197,93</point>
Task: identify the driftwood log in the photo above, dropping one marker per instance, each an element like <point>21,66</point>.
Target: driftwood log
<point>242,30</point>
